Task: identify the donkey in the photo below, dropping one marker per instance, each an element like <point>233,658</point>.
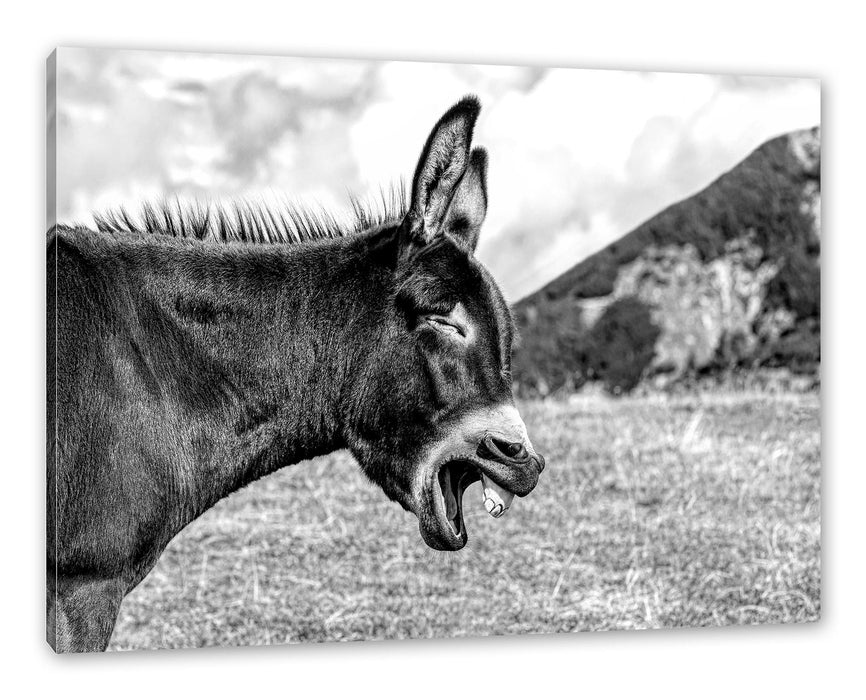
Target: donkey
<point>192,352</point>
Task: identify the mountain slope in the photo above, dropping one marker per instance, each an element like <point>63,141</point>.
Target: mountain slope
<point>729,277</point>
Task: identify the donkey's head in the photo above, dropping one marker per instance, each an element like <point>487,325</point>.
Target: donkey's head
<point>438,409</point>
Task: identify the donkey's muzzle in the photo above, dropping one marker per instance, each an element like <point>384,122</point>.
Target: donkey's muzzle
<point>509,453</point>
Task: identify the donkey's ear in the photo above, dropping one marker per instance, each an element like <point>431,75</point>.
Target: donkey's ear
<point>469,205</point>
<point>439,171</point>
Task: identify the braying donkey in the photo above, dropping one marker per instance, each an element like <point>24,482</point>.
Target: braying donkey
<point>192,351</point>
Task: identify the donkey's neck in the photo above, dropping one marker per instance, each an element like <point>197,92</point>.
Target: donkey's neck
<point>279,332</point>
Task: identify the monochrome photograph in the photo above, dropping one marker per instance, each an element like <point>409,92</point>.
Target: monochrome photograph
<point>360,350</point>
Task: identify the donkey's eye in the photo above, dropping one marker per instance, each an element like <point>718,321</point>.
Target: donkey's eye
<point>446,324</point>
<point>453,322</point>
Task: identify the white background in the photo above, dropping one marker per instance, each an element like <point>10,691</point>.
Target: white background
<point>809,39</point>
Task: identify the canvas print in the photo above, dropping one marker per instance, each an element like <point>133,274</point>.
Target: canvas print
<point>364,350</point>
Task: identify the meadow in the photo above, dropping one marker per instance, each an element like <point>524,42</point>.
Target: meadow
<point>653,512</point>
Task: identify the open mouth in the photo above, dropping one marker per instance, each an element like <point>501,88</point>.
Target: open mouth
<point>454,477</point>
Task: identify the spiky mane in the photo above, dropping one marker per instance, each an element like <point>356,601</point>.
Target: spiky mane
<point>244,221</point>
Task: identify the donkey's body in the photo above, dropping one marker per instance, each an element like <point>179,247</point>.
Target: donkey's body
<point>182,369</point>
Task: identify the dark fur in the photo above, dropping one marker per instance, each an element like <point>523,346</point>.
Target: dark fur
<point>190,354</point>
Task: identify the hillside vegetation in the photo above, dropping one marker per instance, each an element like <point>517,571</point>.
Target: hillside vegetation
<point>728,279</point>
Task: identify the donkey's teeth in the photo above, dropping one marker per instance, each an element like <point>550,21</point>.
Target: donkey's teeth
<point>496,499</point>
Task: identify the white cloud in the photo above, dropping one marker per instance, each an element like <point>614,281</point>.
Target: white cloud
<point>577,157</point>
<point>586,156</point>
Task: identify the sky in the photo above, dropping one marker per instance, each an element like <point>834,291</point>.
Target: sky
<point>578,157</point>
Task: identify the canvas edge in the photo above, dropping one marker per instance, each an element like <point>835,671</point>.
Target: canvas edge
<point>51,77</point>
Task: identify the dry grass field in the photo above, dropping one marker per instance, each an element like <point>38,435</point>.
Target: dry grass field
<point>653,512</point>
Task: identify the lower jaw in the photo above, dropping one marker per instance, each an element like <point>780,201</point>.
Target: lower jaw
<point>439,532</point>
<point>441,537</point>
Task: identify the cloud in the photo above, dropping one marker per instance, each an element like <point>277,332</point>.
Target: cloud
<point>577,157</point>
<point>585,156</point>
<point>137,125</point>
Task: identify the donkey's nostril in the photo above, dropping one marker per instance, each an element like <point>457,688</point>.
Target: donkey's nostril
<point>509,449</point>
<point>503,450</point>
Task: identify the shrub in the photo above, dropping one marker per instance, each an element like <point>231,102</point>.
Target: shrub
<point>621,344</point>
<point>548,355</point>
<point>797,286</point>
<point>798,350</point>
